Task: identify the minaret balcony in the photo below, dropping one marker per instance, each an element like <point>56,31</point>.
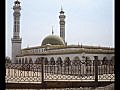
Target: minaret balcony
<point>62,22</point>
<point>62,16</point>
<point>16,7</point>
<point>16,40</point>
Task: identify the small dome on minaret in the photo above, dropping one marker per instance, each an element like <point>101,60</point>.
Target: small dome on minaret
<point>17,2</point>
<point>61,12</point>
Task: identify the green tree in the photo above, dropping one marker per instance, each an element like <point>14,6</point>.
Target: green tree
<point>7,59</point>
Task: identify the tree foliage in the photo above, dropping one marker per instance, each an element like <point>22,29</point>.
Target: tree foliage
<point>7,59</point>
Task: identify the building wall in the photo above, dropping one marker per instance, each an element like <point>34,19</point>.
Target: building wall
<point>71,56</point>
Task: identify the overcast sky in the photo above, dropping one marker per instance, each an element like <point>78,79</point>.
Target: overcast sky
<point>90,22</point>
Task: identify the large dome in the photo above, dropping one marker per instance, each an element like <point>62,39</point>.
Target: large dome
<point>53,40</point>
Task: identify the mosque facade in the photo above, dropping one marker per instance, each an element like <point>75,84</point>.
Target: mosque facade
<point>53,48</point>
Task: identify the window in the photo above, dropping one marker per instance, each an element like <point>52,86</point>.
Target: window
<point>67,61</point>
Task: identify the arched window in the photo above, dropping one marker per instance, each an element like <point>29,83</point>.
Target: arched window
<point>26,61</point>
<point>38,61</point>
<point>105,61</point>
<point>112,60</point>
<point>46,61</point>
<point>52,61</point>
<point>88,61</point>
<point>76,61</point>
<point>30,61</point>
<point>22,60</point>
<point>59,61</point>
<point>67,61</point>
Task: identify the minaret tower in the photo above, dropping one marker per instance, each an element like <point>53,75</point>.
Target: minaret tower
<point>16,40</point>
<point>62,24</point>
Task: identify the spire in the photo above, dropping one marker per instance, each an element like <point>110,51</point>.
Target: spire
<point>52,30</point>
<point>61,12</point>
<point>61,8</point>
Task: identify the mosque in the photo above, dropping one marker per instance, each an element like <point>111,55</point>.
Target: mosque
<point>53,48</point>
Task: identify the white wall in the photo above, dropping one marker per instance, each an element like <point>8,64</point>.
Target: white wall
<point>71,56</point>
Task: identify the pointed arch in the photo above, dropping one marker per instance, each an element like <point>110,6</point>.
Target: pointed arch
<point>46,61</point>
<point>67,61</point>
<point>104,61</point>
<point>59,61</point>
<point>30,61</point>
<point>88,61</point>
<point>52,61</point>
<point>26,61</point>
<point>76,60</point>
<point>38,61</point>
<point>22,60</point>
<point>105,58</point>
<point>113,60</point>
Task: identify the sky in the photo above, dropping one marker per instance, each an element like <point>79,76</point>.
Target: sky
<point>87,22</point>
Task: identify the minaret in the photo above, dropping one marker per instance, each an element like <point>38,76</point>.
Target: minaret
<point>16,40</point>
<point>62,24</point>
